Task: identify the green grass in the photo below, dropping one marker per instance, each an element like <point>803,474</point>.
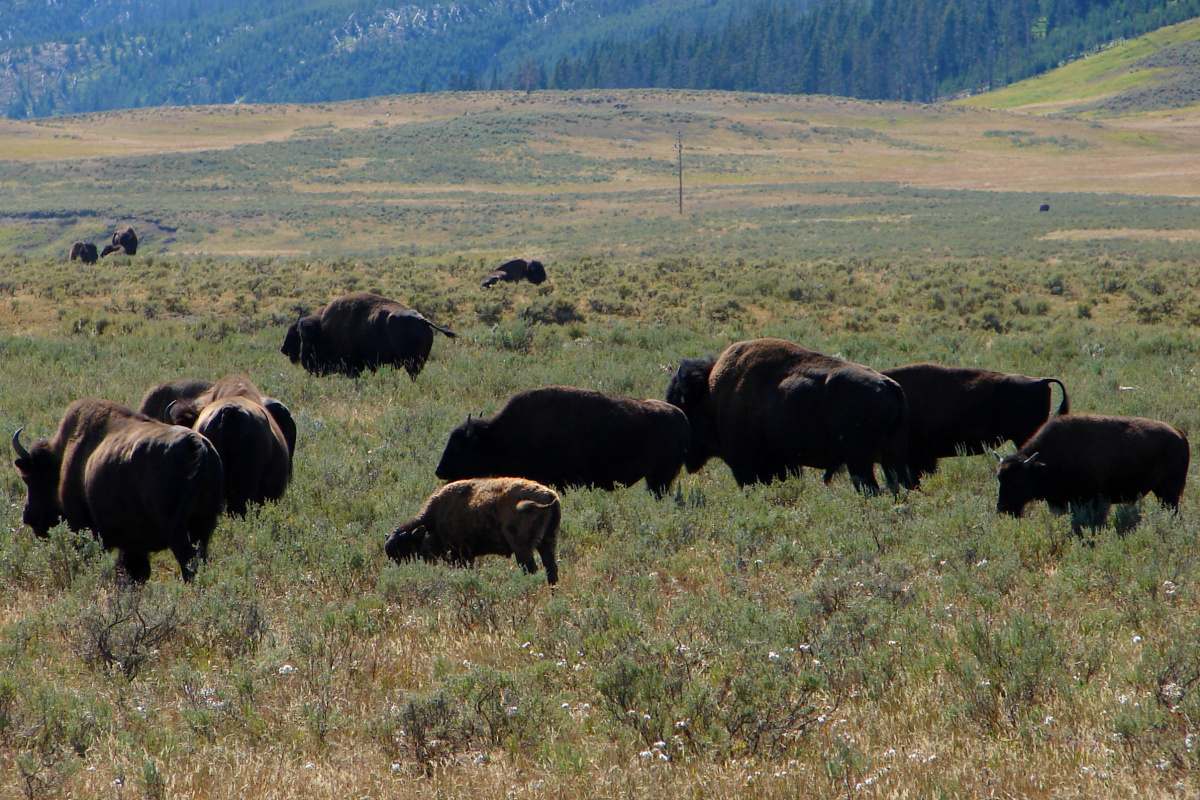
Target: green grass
<point>1099,75</point>
<point>793,640</point>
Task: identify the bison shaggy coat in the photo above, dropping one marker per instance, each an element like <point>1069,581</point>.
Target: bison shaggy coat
<point>768,407</point>
<point>1082,459</point>
<point>254,434</point>
<point>966,411</point>
<point>483,516</point>
<point>139,485</point>
<point>563,436</point>
<point>361,331</point>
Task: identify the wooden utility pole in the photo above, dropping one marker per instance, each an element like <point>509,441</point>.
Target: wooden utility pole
<point>679,148</point>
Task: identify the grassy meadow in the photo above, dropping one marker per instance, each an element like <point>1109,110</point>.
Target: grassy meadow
<point>792,640</point>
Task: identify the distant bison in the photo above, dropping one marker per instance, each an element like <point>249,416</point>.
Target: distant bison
<point>124,242</point>
<point>85,252</point>
<point>255,441</point>
<point>486,516</point>
<point>516,270</point>
<point>1081,459</point>
<point>966,411</point>
<point>768,407</point>
<point>563,436</point>
<point>1044,207</point>
<point>361,331</point>
<point>139,485</point>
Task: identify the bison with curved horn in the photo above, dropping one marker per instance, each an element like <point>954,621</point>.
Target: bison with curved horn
<point>254,434</point>
<point>485,516</point>
<point>1081,460</point>
<point>966,411</point>
<point>563,436</point>
<point>361,331</point>
<point>139,485</point>
<point>768,407</point>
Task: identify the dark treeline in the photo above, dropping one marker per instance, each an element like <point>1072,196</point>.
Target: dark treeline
<point>111,54</point>
<point>881,49</point>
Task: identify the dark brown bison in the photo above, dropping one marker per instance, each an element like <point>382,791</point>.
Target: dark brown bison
<point>1079,460</point>
<point>139,485</point>
<point>361,331</point>
<point>768,407</point>
<point>254,434</point>
<point>563,436</point>
<point>124,242</point>
<point>516,270</point>
<point>965,411</point>
<point>85,252</point>
<point>1044,207</point>
<point>485,516</point>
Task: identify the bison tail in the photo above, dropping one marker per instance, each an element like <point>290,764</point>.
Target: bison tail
<point>1065,406</point>
<point>437,327</point>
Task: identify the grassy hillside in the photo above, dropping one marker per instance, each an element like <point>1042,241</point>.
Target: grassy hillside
<point>794,640</point>
<point>1154,73</point>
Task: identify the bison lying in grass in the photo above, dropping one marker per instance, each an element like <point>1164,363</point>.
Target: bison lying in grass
<point>483,516</point>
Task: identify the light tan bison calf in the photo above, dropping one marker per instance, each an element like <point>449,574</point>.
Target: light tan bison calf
<point>483,516</point>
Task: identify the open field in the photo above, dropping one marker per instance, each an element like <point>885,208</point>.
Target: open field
<point>794,640</point>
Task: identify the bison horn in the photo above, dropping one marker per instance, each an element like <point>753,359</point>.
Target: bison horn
<point>1031,458</point>
<point>16,443</point>
<point>997,455</point>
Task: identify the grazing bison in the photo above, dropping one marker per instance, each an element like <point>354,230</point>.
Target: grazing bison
<point>361,331</point>
<point>769,407</point>
<point>255,435</point>
<point>966,411</point>
<point>85,252</point>
<point>486,516</point>
<point>124,242</point>
<point>516,270</point>
<point>139,485</point>
<point>1044,207</point>
<point>1079,460</point>
<point>563,436</point>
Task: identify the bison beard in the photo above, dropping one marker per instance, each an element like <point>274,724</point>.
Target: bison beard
<point>1088,460</point>
<point>139,485</point>
<point>769,407</point>
<point>489,516</point>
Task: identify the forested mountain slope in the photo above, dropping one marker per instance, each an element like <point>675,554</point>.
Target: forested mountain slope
<point>73,56</point>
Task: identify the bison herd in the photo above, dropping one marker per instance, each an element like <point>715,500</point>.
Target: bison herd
<point>124,242</point>
<point>158,478</point>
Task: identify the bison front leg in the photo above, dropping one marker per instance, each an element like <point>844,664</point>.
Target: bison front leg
<point>135,565</point>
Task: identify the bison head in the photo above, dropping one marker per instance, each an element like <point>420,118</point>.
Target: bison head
<point>466,454</point>
<point>535,273</point>
<point>688,391</point>
<point>1022,480</point>
<point>39,471</point>
<point>301,340</point>
<point>405,544</point>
